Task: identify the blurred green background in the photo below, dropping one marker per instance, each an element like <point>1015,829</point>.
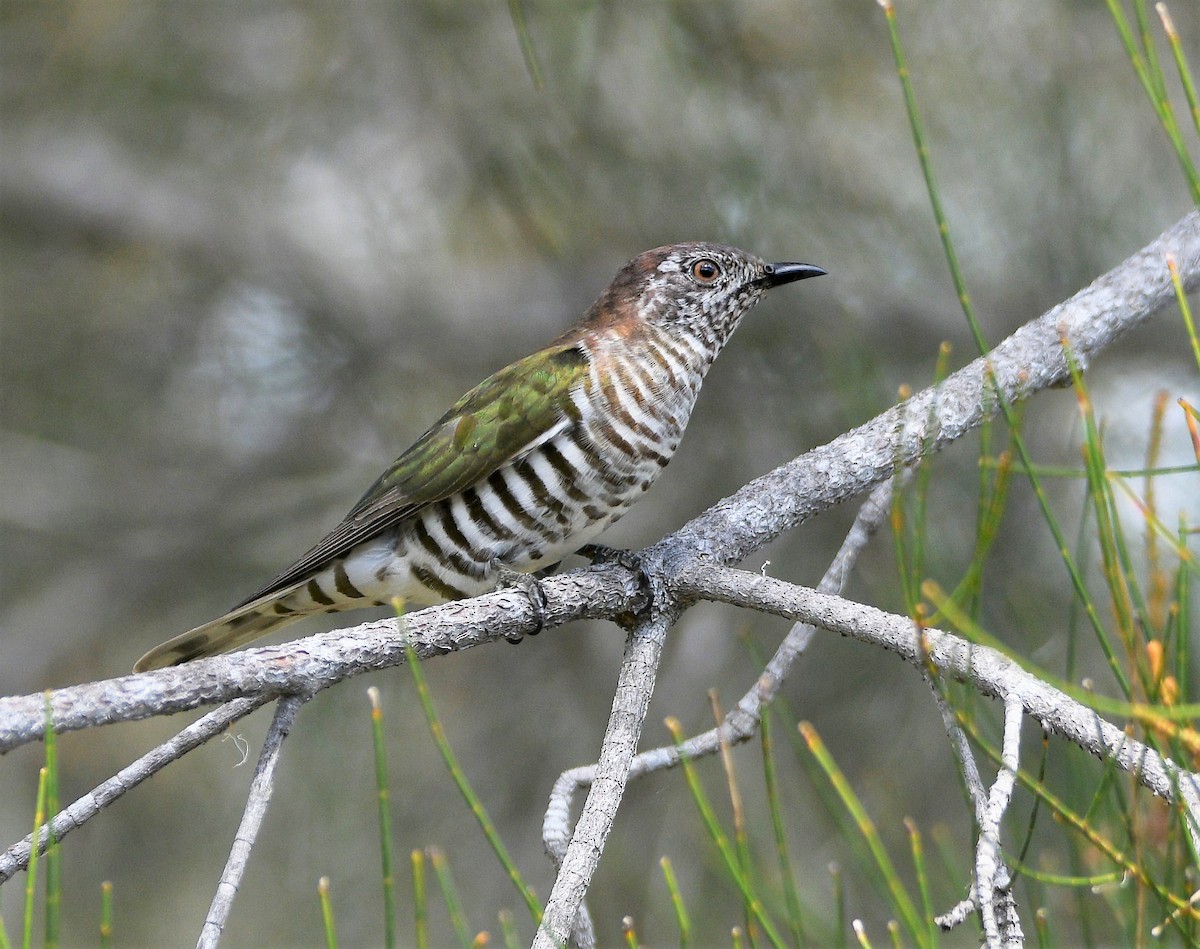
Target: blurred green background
<point>248,252</point>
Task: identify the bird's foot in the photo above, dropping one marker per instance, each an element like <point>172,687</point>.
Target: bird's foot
<point>602,554</point>
<point>507,578</point>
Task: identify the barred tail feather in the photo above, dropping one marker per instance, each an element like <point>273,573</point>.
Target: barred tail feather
<point>235,628</point>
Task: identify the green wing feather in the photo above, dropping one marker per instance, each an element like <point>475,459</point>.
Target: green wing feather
<point>499,420</point>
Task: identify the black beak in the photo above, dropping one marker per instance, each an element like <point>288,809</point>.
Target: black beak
<point>775,275</point>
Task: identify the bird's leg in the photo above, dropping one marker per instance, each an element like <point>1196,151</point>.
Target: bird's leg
<point>506,577</point>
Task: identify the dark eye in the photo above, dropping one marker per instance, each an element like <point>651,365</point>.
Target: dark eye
<point>706,271</point>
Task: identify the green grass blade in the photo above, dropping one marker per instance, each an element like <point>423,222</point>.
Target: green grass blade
<point>1041,924</point>
<point>420,900</point>
<point>383,792</point>
<point>39,817</point>
<point>464,787</point>
<point>1185,73</point>
<point>923,156</point>
<point>1151,80</point>
<point>740,839</point>
<point>718,836</point>
<point>860,933</point>
<point>441,869</point>
<point>924,477</point>
<point>53,906</point>
<point>786,873</point>
<point>1182,624</point>
<point>106,914</point>
<point>527,50</point>
<point>682,920</point>
<point>326,902</point>
<point>839,902</point>
<point>918,855</point>
<point>508,930</point>
<point>1185,308</point>
<point>901,901</point>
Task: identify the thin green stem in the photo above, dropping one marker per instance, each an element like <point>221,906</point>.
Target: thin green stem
<point>682,920</point>
<point>786,872</point>
<point>53,908</point>
<point>1151,80</point>
<point>718,836</point>
<point>508,929</point>
<point>420,900</point>
<point>326,901</point>
<point>383,800</point>
<point>106,914</point>
<point>1181,63</point>
<point>464,786</point>
<point>901,902</point>
<point>527,50</point>
<point>39,817</point>
<point>441,868</point>
<point>918,855</point>
<point>1185,309</point>
<point>935,198</point>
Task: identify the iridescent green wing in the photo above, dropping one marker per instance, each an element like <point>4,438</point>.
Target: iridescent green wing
<point>502,418</point>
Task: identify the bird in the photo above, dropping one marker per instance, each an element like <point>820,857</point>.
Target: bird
<point>530,465</point>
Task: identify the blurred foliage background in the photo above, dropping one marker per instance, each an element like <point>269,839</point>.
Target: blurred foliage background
<point>248,252</point>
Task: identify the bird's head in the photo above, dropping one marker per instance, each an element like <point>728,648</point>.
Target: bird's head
<point>701,289</point>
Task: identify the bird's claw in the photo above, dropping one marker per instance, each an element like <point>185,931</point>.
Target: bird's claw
<point>603,554</point>
<point>507,578</point>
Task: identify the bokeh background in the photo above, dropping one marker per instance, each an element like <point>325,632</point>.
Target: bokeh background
<point>248,252</point>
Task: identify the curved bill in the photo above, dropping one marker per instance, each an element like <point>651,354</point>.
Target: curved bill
<point>776,275</point>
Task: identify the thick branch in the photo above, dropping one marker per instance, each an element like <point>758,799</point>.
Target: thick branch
<point>308,665</point>
<point>987,670</point>
<point>1029,360</point>
<point>1026,362</point>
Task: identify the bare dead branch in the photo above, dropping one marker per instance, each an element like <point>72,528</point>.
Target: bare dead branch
<point>685,566</point>
<point>252,818</point>
<point>986,670</point>
<point>78,813</point>
<point>991,875</point>
<point>307,666</point>
<point>1028,361</point>
<point>741,722</point>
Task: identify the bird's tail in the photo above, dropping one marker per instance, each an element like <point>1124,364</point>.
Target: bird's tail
<point>235,628</point>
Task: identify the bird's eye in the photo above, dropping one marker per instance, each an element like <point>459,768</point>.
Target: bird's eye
<point>706,271</point>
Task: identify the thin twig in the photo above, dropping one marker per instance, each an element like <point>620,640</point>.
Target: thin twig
<point>986,670</point>
<point>966,758</point>
<point>252,818</point>
<point>741,722</point>
<point>79,812</point>
<point>988,860</point>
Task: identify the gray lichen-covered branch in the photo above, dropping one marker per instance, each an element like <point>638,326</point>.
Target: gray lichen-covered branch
<point>689,564</point>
